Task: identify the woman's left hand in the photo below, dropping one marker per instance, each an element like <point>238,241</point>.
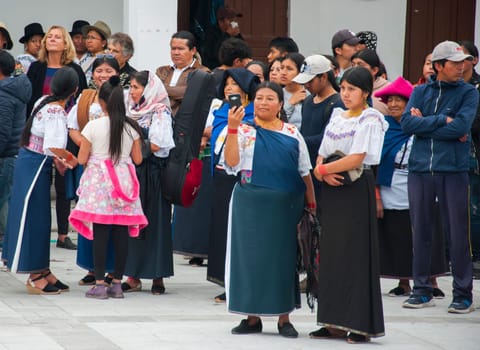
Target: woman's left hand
<point>333,179</point>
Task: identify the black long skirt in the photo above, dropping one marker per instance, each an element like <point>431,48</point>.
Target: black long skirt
<point>349,293</point>
<point>152,256</point>
<point>222,191</point>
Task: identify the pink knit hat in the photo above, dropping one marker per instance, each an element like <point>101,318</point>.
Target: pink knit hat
<point>400,87</point>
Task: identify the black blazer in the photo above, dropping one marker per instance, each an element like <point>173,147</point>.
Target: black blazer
<point>36,73</point>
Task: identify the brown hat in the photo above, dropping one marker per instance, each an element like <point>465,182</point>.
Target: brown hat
<point>344,36</point>
<point>100,27</point>
<point>31,30</point>
<point>6,34</point>
<point>227,12</point>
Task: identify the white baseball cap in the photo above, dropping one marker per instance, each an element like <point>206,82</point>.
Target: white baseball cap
<point>449,50</point>
<point>311,67</point>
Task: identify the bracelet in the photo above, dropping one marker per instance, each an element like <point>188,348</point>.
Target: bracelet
<point>69,157</point>
<point>232,131</point>
<point>311,205</point>
<point>322,169</point>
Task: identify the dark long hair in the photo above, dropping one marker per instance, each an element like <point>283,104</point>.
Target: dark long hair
<point>64,84</point>
<point>111,93</point>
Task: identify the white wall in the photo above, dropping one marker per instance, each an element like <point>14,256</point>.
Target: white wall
<point>17,14</point>
<point>151,24</point>
<point>313,23</point>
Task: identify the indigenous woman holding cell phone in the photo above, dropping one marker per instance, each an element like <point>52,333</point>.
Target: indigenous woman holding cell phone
<point>26,246</point>
<point>236,82</point>
<point>349,297</point>
<point>267,202</point>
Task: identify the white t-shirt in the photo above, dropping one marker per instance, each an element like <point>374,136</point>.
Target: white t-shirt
<point>97,132</point>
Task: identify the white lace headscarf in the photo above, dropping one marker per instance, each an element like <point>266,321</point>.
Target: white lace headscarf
<point>155,98</point>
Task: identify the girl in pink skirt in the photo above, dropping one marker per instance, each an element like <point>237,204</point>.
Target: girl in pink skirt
<point>109,189</point>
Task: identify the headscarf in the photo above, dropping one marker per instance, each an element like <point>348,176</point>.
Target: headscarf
<point>154,98</point>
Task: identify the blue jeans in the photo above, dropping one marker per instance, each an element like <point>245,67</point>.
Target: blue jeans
<point>6,180</point>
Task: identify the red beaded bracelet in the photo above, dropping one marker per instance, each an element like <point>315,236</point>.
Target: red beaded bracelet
<point>232,131</point>
<point>311,205</point>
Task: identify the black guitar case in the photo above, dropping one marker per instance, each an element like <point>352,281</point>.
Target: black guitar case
<point>182,176</point>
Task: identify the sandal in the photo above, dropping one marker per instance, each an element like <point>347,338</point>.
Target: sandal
<point>355,338</point>
<point>87,280</point>
<point>325,333</point>
<point>127,288</point>
<point>158,289</point>
<point>48,289</point>
<point>61,286</point>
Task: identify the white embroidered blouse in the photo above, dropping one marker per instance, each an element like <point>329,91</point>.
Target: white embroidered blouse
<point>362,134</point>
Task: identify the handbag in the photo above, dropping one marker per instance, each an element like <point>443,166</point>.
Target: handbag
<point>349,176</point>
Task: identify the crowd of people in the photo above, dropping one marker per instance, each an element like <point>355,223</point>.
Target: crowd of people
<point>384,164</point>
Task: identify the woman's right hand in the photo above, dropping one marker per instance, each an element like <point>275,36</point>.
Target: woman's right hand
<point>235,116</point>
<point>333,179</point>
<point>379,208</point>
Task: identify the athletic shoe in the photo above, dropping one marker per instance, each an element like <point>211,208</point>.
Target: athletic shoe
<point>418,301</point>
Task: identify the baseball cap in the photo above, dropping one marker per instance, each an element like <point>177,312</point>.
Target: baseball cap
<point>313,65</point>
<point>344,36</point>
<point>449,50</point>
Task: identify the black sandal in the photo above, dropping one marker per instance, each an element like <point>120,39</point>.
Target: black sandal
<point>87,280</point>
<point>354,338</point>
<point>48,289</point>
<point>324,333</point>
<point>61,286</point>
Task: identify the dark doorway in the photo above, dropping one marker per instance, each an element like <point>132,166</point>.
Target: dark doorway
<point>430,22</point>
<point>261,21</point>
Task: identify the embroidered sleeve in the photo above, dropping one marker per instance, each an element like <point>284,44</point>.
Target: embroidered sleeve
<point>161,132</point>
<point>55,127</point>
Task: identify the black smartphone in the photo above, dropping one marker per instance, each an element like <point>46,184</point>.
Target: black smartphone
<point>235,100</point>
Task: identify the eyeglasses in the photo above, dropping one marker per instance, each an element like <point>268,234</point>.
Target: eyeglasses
<point>104,55</point>
<point>91,37</point>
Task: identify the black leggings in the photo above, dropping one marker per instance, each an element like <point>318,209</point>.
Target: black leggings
<point>101,235</point>
<point>62,204</point>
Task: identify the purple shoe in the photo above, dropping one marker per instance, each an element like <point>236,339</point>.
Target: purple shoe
<point>115,291</point>
<point>98,291</point>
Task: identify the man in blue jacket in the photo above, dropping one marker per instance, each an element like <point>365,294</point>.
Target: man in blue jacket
<point>15,92</point>
<point>440,114</point>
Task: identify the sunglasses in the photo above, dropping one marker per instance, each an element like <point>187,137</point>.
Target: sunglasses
<point>104,55</point>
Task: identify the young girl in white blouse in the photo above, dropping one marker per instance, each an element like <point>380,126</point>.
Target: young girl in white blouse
<point>349,298</point>
<point>109,191</point>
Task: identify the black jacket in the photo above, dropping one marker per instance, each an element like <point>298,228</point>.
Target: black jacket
<point>15,93</point>
<point>36,74</point>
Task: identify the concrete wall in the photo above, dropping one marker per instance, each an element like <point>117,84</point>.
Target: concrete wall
<point>313,23</point>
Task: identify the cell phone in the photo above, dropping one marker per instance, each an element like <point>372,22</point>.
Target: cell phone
<point>235,100</point>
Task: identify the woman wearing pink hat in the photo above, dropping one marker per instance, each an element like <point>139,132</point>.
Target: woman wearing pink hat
<point>395,234</point>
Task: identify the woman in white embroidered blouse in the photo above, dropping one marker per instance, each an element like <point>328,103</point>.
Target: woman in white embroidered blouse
<point>27,238</point>
<point>349,297</point>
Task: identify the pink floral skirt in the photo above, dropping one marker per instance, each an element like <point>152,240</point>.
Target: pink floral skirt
<point>108,194</point>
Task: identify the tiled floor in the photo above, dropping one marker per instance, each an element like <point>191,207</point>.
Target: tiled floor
<point>187,318</point>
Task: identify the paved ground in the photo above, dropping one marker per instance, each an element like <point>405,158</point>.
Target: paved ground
<point>187,318</point>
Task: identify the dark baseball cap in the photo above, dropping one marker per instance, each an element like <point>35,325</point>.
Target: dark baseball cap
<point>344,36</point>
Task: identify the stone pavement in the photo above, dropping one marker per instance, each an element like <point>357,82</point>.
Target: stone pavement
<point>187,318</point>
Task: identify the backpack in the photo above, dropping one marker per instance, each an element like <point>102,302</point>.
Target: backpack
<point>308,253</point>
<point>181,178</point>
